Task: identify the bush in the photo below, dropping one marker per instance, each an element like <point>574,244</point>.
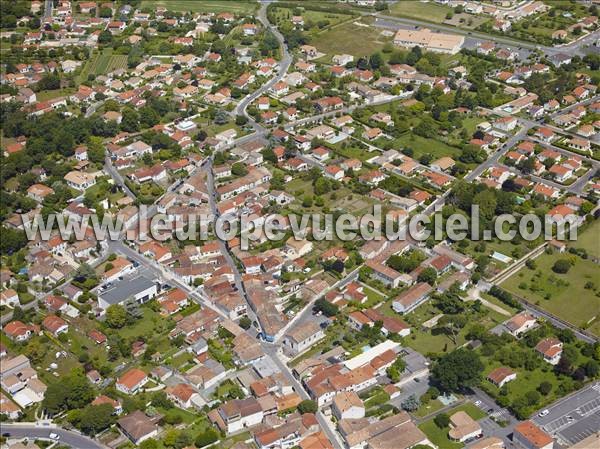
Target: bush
<point>206,438</point>
<point>442,420</point>
<point>561,266</point>
<point>307,406</point>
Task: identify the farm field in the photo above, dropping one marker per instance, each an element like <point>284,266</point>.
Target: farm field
<point>103,63</point>
<point>234,6</point>
<point>564,295</point>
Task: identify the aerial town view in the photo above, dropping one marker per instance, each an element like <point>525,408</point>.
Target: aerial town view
<point>300,224</point>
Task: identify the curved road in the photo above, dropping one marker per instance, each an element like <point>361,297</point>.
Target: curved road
<point>284,65</point>
<point>30,430</point>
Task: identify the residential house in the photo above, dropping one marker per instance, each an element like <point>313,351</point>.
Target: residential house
<point>550,349</point>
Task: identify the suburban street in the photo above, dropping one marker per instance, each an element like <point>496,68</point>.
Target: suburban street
<point>29,430</point>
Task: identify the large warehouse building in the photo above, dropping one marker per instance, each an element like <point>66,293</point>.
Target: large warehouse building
<point>437,42</point>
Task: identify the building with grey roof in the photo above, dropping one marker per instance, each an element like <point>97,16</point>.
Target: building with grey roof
<point>139,288</point>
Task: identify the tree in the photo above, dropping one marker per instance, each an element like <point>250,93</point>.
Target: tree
<point>130,121</point>
<point>159,399</point>
<point>322,185</point>
<point>96,150</point>
<point>592,369</point>
<point>71,392</point>
<point>105,37</point>
<point>545,388</point>
<point>396,369</point>
<point>561,266</point>
<point>245,322</point>
<point>116,316</point>
<point>451,325</point>
<point>376,61</point>
<point>221,117</point>
<point>95,418</point>
<point>428,275</point>
<point>148,117</point>
<point>459,369</point>
<point>207,437</point>
<point>326,307</point>
<point>442,420</point>
<point>410,404</point>
<point>149,444</point>
<point>307,406</point>
<point>239,169</point>
<point>11,240</point>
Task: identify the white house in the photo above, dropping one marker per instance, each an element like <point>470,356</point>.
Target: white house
<point>303,337</point>
<point>347,405</point>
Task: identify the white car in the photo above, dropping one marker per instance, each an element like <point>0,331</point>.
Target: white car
<point>54,436</point>
<point>544,413</point>
<point>477,403</point>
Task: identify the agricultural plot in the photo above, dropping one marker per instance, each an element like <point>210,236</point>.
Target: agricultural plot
<point>103,63</point>
<point>233,6</point>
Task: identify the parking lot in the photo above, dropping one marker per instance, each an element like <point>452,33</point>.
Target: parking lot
<point>574,418</point>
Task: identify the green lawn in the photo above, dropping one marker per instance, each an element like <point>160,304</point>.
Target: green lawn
<point>151,324</point>
<point>429,11</point>
<point>50,94</point>
<point>440,436</point>
<point>429,408</point>
<point>350,38</point>
<point>421,145</point>
<point>374,298</point>
<point>499,303</point>
<point>470,409</point>
<point>233,6</point>
<point>426,341</point>
<point>564,295</point>
<point>589,239</point>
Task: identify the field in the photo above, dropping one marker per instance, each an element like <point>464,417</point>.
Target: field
<point>419,10</point>
<point>564,295</point>
<point>234,6</point>
<point>45,95</point>
<point>432,341</point>
<point>589,239</point>
<point>350,38</point>
<point>422,145</point>
<point>313,17</point>
<point>103,63</point>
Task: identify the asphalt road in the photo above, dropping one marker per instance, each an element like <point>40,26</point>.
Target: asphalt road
<point>286,61</point>
<point>48,8</point>
<point>116,176</point>
<point>67,437</point>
